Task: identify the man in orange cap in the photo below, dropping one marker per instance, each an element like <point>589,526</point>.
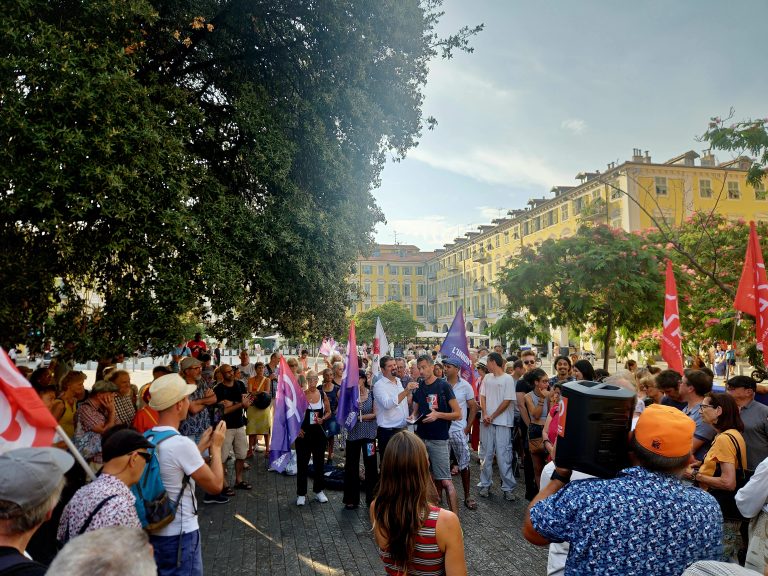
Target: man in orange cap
<point>613,526</point>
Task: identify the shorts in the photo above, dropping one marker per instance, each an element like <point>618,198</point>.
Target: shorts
<point>439,459</point>
<point>235,440</point>
<point>458,443</point>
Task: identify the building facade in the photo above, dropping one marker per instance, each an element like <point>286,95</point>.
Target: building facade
<point>633,195</point>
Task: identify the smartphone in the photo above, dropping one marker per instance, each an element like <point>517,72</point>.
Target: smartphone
<point>217,414</point>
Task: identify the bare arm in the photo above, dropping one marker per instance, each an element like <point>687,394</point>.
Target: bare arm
<point>211,478</point>
<point>450,540</point>
<point>726,480</point>
<point>454,414</point>
<point>534,412</point>
<point>523,409</point>
<point>472,409</point>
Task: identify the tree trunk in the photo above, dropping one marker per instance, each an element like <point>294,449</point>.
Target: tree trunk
<point>608,340</point>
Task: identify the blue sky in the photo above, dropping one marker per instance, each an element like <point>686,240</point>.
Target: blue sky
<point>559,87</point>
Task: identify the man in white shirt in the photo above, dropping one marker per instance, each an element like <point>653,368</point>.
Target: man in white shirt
<point>391,403</point>
<point>497,402</point>
<point>246,368</point>
<point>179,457</point>
<point>458,435</point>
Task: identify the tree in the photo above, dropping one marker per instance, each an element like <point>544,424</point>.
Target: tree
<point>213,158</point>
<point>600,276</point>
<point>398,323</point>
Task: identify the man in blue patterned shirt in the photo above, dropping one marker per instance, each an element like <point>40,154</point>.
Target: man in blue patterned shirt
<point>645,521</point>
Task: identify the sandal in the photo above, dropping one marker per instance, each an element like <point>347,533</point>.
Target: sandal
<point>470,503</point>
<point>243,485</point>
<point>228,492</point>
<point>351,507</point>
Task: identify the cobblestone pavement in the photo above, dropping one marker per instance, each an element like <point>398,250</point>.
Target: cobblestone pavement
<point>263,532</point>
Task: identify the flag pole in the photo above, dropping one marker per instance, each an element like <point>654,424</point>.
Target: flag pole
<point>75,453</point>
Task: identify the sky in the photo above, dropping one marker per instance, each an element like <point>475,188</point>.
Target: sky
<point>558,87</point>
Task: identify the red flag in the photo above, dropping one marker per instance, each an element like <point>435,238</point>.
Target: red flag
<point>24,419</point>
<point>671,342</point>
<point>752,294</point>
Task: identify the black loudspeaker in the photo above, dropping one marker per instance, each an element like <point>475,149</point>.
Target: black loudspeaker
<point>593,432</point>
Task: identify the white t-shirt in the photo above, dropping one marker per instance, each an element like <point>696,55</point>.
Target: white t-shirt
<point>463,392</point>
<point>247,371</point>
<point>178,456</point>
<point>496,389</point>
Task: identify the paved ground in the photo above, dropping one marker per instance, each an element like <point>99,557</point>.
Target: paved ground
<point>263,532</point>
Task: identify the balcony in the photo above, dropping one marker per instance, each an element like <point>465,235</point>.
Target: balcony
<point>432,275</point>
<point>480,286</point>
<point>453,292</point>
<point>453,267</point>
<point>480,313</point>
<point>432,299</point>
<point>394,298</point>
<point>481,257</point>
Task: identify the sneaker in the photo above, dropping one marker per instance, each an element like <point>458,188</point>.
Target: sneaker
<point>215,499</point>
<point>301,500</point>
<point>484,492</point>
<point>509,496</point>
<point>321,497</point>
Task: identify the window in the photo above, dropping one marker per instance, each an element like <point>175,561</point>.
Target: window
<point>705,188</point>
<point>506,237</point>
<point>367,289</point>
<point>419,309</point>
<point>381,270</point>
<point>498,240</point>
<point>564,212</point>
<point>596,194</point>
<point>615,193</point>
<point>406,270</point>
<point>516,233</point>
<point>733,191</point>
<point>537,224</point>
<point>760,191</point>
<point>419,270</point>
<point>394,270</point>
<point>407,290</point>
<point>578,205</point>
<point>421,290</point>
<point>661,186</point>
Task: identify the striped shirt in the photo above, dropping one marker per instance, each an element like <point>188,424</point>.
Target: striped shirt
<point>427,559</point>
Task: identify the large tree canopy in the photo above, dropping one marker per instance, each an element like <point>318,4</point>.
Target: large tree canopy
<point>398,323</point>
<point>214,158</point>
<point>601,276</point>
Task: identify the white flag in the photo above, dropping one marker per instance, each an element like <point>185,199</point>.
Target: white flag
<point>380,345</point>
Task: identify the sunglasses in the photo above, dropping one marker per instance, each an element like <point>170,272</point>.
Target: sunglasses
<point>707,406</point>
<point>529,361</point>
<point>146,455</point>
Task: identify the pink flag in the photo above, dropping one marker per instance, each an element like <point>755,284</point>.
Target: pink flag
<point>290,406</point>
<point>24,419</point>
<point>671,342</point>
<point>328,346</point>
<point>752,294</point>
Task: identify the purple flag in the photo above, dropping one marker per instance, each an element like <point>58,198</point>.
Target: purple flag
<point>455,346</point>
<point>290,406</point>
<point>349,394</point>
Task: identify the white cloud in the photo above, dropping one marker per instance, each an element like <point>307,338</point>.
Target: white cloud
<point>489,213</point>
<point>574,125</point>
<point>494,165</point>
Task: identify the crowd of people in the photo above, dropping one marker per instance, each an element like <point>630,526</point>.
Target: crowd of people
<point>692,450</point>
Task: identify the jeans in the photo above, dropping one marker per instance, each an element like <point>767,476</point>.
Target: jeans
<point>496,440</point>
<point>167,554</point>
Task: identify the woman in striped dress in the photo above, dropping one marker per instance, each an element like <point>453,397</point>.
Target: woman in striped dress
<point>414,537</point>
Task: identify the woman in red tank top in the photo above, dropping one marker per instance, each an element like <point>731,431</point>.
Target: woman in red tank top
<point>414,537</point>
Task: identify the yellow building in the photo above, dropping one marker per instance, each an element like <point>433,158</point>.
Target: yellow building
<point>394,273</point>
<point>630,195</point>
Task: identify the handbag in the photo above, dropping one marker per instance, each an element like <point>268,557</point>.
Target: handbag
<point>726,498</point>
<point>262,400</point>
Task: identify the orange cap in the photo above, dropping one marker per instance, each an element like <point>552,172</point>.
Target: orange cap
<point>665,431</point>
